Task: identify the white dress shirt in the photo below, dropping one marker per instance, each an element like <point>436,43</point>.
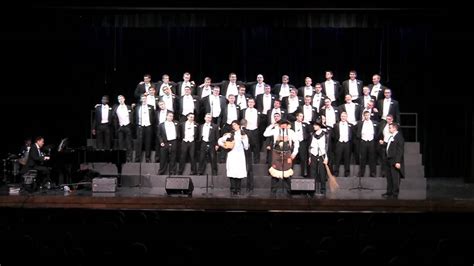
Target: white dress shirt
<point>206,91</point>
<point>299,131</point>
<point>343,132</point>
<point>272,115</point>
<point>144,116</point>
<point>353,89</point>
<point>330,91</point>
<point>293,104</point>
<point>168,99</point>
<point>162,116</point>
<point>308,113</point>
<point>330,117</point>
<point>215,103</point>
<point>184,85</point>
<point>390,139</point>
<point>205,132</point>
<point>308,91</point>
<point>251,115</point>
<point>350,110</point>
<point>267,102</point>
<point>231,90</point>
<point>275,132</point>
<point>367,100</point>
<point>188,104</point>
<point>284,91</point>
<point>317,100</point>
<point>151,100</point>
<point>231,113</point>
<point>259,89</point>
<point>242,101</point>
<point>386,133</point>
<point>170,130</point>
<point>188,131</point>
<point>386,107</point>
<point>105,113</point>
<point>375,91</point>
<point>367,131</point>
<point>123,116</point>
<point>318,146</point>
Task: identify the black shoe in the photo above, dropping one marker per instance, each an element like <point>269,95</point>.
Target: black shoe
<point>148,160</point>
<point>180,173</point>
<point>347,174</point>
<point>372,175</point>
<point>192,173</point>
<point>394,196</point>
<point>387,195</point>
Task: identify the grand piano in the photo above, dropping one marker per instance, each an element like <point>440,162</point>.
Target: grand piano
<point>66,161</point>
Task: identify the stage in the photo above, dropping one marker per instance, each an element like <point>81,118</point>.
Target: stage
<point>441,195</point>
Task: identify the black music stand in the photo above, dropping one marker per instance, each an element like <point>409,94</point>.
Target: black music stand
<point>207,193</point>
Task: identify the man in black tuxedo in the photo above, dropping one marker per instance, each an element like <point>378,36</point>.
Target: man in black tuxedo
<point>165,82</point>
<point>318,97</point>
<point>214,104</point>
<point>123,121</point>
<point>365,98</point>
<point>170,100</point>
<point>283,89</point>
<point>367,133</point>
<point>145,121</point>
<point>310,113</point>
<point>169,134</point>
<point>208,136</point>
<point>187,104</point>
<point>292,103</point>
<point>394,162</point>
<point>264,103</point>
<point>252,118</point>
<point>389,106</point>
<point>343,140</point>
<point>142,87</point>
<point>307,89</point>
<point>256,87</point>
<point>276,109</point>
<point>302,131</point>
<point>242,98</point>
<point>101,127</point>
<point>36,160</point>
<point>181,86</point>
<point>353,86</point>
<point>204,89</point>
<point>229,87</point>
<point>189,135</point>
<point>331,88</point>
<point>376,88</point>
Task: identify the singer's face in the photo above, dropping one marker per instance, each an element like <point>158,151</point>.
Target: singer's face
<point>235,126</point>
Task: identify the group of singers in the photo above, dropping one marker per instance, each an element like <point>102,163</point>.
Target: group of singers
<point>326,123</point>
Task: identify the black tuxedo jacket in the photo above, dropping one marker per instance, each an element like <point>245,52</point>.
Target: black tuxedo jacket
<point>283,114</point>
<point>358,130</point>
<point>306,129</point>
<point>285,101</point>
<point>393,110</point>
<point>345,87</point>
<point>314,113</point>
<point>336,132</point>
<point>182,129</point>
<point>115,115</point>
<point>357,110</point>
<point>301,91</point>
<point>162,131</point>
<point>206,105</point>
<point>380,94</point>
<point>361,101</point>
<point>277,88</point>
<point>225,84</point>
<point>259,101</point>
<point>213,134</point>
<point>178,88</point>
<point>151,113</point>
<point>253,88</point>
<point>174,99</point>
<point>243,112</point>
<point>34,157</point>
<point>196,105</point>
<point>224,114</point>
<point>395,152</point>
<point>98,116</point>
<point>171,84</point>
<point>140,90</point>
<point>337,90</point>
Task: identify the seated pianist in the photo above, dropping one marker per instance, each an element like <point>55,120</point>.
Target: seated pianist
<point>36,161</point>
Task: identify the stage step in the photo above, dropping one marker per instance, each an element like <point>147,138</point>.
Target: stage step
<point>263,182</point>
<point>411,171</point>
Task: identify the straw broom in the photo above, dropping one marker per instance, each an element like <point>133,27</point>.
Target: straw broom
<point>333,185</point>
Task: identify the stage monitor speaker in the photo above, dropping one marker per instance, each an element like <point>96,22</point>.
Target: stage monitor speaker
<point>101,184</point>
<point>179,185</point>
<point>303,185</point>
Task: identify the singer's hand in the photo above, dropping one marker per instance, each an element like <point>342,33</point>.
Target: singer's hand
<point>46,158</point>
<point>293,157</point>
<point>93,132</point>
<point>97,105</point>
<point>381,141</point>
<point>309,161</point>
<point>325,161</point>
<point>216,147</point>
<point>162,144</point>
<point>397,165</point>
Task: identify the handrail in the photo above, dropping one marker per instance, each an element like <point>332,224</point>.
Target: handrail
<point>411,126</point>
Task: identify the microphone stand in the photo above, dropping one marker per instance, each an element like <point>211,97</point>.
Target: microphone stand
<point>359,185</point>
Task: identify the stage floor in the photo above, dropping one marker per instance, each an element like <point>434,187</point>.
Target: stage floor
<point>441,195</point>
